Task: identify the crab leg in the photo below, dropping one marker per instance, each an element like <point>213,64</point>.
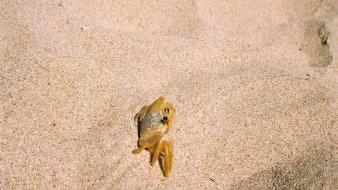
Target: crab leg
<point>140,115</point>
<point>147,142</point>
<point>166,160</point>
<point>138,150</point>
<point>155,153</point>
<point>156,105</point>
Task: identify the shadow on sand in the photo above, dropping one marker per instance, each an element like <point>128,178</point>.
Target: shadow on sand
<point>315,168</point>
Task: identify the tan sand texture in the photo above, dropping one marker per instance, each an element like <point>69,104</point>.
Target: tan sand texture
<point>254,83</point>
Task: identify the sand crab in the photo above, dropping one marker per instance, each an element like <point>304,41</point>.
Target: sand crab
<point>153,122</point>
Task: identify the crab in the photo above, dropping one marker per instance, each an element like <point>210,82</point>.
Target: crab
<point>153,122</point>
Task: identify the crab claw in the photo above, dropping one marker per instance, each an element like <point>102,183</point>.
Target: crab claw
<point>166,158</point>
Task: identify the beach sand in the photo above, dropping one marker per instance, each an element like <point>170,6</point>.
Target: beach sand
<point>254,83</point>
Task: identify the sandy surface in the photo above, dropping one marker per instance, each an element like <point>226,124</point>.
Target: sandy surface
<point>255,85</point>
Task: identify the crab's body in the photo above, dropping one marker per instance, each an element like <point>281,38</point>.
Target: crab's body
<point>153,122</point>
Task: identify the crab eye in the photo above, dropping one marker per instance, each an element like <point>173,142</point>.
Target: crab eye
<point>165,120</point>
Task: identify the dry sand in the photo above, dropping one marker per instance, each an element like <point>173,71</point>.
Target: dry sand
<point>255,85</point>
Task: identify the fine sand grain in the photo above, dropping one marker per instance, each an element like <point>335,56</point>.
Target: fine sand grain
<point>254,83</point>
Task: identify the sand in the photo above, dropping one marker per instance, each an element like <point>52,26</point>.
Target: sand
<point>255,85</point>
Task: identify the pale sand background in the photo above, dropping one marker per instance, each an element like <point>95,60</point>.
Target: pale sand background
<point>255,84</point>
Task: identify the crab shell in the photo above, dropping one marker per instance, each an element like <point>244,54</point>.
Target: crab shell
<point>152,123</point>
